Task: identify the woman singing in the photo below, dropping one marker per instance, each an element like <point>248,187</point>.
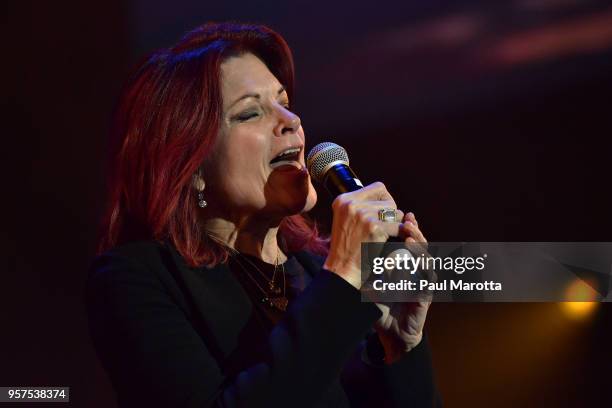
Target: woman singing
<point>212,288</point>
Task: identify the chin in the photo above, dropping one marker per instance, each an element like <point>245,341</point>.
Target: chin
<point>311,200</point>
<point>289,195</point>
<point>293,206</point>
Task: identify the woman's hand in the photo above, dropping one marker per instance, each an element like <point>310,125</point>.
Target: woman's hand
<point>355,220</point>
<point>400,328</point>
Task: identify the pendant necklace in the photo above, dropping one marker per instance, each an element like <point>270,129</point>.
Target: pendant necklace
<point>277,302</point>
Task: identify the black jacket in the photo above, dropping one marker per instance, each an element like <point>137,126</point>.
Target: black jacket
<point>168,334</point>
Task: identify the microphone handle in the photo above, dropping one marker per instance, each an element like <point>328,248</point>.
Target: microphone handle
<point>341,179</point>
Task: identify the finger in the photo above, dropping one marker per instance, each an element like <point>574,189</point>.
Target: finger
<point>382,230</point>
<point>370,212</point>
<point>376,231</point>
<point>399,215</point>
<point>369,209</point>
<point>413,231</point>
<point>392,229</point>
<point>410,217</point>
<point>375,191</point>
<point>412,236</point>
<point>425,304</point>
<point>378,205</point>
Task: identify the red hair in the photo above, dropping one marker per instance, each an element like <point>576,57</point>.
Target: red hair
<point>165,126</point>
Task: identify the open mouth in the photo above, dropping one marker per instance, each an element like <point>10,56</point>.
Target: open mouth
<point>289,156</point>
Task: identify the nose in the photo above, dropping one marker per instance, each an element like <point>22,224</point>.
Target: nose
<point>288,122</point>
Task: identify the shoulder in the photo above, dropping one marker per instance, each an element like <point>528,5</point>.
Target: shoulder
<point>141,261</point>
<point>138,255</point>
<point>132,277</point>
<point>138,252</point>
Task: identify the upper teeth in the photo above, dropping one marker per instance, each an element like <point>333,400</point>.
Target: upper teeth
<point>289,151</point>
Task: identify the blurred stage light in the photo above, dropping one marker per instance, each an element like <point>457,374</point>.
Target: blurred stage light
<point>579,310</point>
<point>583,296</point>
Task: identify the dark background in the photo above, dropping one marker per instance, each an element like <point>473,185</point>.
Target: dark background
<point>490,120</point>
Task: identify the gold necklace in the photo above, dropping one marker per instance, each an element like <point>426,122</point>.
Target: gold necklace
<point>279,303</point>
<point>271,282</point>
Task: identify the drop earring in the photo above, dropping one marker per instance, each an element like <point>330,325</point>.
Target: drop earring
<point>201,202</point>
<point>199,185</point>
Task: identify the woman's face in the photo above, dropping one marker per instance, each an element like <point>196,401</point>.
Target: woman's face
<point>245,174</point>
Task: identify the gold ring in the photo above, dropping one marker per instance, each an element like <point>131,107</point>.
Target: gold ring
<point>387,215</point>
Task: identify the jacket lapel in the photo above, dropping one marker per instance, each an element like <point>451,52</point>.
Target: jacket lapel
<point>220,306</point>
<point>311,263</point>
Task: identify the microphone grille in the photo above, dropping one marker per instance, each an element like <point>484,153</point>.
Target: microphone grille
<point>322,157</point>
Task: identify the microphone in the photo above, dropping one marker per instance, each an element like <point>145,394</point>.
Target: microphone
<point>328,164</point>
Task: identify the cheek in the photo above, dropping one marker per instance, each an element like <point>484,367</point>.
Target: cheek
<point>300,133</point>
<point>239,168</point>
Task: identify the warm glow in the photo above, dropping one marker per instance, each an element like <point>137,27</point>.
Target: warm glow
<point>578,310</point>
<point>583,295</point>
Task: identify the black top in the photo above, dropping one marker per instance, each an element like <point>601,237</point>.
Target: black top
<point>255,276</point>
<point>174,336</point>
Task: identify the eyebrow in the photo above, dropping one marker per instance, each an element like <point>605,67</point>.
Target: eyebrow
<point>254,95</point>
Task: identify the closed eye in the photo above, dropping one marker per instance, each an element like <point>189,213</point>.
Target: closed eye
<point>243,117</point>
